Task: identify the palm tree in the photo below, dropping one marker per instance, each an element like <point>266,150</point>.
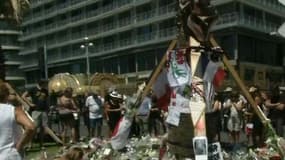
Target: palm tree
<point>10,11</point>
<point>13,9</point>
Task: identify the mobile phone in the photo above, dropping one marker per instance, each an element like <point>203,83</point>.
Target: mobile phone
<point>200,146</point>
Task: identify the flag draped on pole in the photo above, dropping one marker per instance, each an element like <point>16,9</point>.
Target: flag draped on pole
<point>179,72</point>
<point>219,78</point>
<point>162,90</point>
<point>121,133</point>
<point>210,71</point>
<point>213,78</point>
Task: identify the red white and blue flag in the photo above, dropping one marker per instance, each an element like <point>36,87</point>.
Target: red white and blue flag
<point>121,133</point>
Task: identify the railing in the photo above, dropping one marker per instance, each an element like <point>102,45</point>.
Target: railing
<point>109,46</point>
<point>123,2</point>
<point>93,13</point>
<point>108,7</point>
<point>268,3</point>
<point>248,21</point>
<point>125,42</point>
<point>77,17</point>
<point>146,37</point>
<point>167,32</point>
<point>125,21</point>
<point>145,15</point>
<point>167,9</point>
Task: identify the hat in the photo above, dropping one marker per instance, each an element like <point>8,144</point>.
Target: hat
<point>252,89</point>
<point>115,94</point>
<point>228,89</point>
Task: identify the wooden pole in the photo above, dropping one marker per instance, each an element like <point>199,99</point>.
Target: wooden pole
<point>26,108</point>
<point>243,88</point>
<point>257,110</point>
<point>24,103</point>
<point>200,125</point>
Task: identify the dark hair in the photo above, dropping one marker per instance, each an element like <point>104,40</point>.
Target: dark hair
<point>68,92</point>
<point>42,83</point>
<point>4,93</point>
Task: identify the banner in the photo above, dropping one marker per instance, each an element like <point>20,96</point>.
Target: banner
<point>179,72</point>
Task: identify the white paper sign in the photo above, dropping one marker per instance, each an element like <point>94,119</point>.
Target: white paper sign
<point>197,108</point>
<point>173,116</point>
<point>200,146</point>
<point>182,104</point>
<point>215,151</point>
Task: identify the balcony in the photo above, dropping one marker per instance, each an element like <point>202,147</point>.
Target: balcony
<point>37,3</point>
<point>145,15</point>
<point>146,37</point>
<point>234,19</point>
<point>167,9</point>
<point>168,32</point>
<point>109,29</point>
<point>62,8</point>
<point>267,5</point>
<point>123,2</point>
<point>140,2</point>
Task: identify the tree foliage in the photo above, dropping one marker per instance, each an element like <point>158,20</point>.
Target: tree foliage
<point>13,9</point>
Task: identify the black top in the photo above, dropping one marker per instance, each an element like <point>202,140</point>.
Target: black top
<point>39,98</point>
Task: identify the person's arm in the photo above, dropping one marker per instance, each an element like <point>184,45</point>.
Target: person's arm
<point>74,105</point>
<point>217,106</point>
<point>269,105</point>
<point>106,108</point>
<point>28,125</point>
<point>239,105</point>
<point>24,97</point>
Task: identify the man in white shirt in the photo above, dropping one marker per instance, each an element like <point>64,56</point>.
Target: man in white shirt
<point>94,103</point>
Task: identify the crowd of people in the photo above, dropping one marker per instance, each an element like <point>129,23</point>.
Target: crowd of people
<point>230,113</point>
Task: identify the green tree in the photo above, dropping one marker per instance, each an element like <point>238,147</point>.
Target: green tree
<point>13,10</point>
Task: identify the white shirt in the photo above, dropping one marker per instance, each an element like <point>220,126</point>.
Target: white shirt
<point>7,133</point>
<point>94,108</point>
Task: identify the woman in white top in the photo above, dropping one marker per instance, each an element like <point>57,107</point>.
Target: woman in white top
<point>10,117</point>
<point>234,123</point>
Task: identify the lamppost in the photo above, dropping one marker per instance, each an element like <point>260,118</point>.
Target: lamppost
<point>86,46</point>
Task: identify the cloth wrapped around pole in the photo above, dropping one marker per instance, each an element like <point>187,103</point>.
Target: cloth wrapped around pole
<point>180,137</point>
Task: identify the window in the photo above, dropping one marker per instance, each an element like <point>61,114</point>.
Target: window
<point>248,74</point>
<point>146,61</point>
<point>111,65</point>
<point>127,64</point>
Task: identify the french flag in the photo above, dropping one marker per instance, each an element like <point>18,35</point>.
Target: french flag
<point>162,90</point>
<point>121,132</point>
<point>213,78</point>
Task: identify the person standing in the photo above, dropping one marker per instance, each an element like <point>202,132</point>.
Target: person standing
<point>38,106</point>
<point>272,102</point>
<point>155,115</point>
<point>67,108</point>
<point>94,105</point>
<point>234,123</point>
<point>11,117</point>
<point>113,109</point>
<point>213,120</point>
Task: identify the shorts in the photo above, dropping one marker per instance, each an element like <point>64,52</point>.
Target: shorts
<point>96,122</point>
<point>40,118</point>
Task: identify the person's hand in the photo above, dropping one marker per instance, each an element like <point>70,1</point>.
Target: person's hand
<point>280,107</point>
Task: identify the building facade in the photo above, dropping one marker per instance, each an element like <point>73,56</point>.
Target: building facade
<point>10,47</point>
<point>129,37</point>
